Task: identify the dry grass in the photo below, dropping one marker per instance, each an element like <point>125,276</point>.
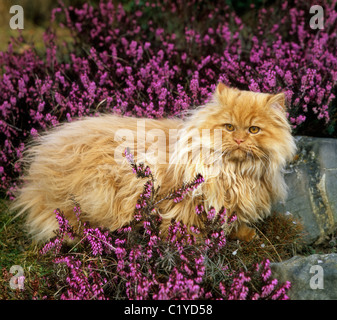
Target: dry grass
<point>279,238</point>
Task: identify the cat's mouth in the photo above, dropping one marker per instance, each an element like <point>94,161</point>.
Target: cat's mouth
<point>238,153</point>
<point>245,153</point>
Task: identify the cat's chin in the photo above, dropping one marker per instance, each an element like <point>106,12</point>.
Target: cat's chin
<point>237,155</point>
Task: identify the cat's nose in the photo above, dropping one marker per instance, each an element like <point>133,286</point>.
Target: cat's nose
<point>239,141</point>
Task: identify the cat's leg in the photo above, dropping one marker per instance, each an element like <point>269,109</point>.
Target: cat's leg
<point>243,232</point>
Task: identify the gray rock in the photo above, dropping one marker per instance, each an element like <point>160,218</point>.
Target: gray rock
<point>312,278</point>
<point>312,183</point>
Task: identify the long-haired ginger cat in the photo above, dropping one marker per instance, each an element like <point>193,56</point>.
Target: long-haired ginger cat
<point>239,142</point>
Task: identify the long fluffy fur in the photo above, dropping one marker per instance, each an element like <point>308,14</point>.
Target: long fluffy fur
<point>76,163</point>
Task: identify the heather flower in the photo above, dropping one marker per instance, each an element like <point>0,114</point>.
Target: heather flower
<point>100,242</point>
<point>53,244</point>
<point>64,226</point>
<point>239,290</point>
<point>281,292</point>
<point>65,229</point>
<point>199,209</point>
<point>268,289</point>
<point>178,195</point>
<point>80,284</point>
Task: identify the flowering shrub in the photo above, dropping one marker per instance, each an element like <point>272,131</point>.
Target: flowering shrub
<point>138,262</point>
<point>133,63</point>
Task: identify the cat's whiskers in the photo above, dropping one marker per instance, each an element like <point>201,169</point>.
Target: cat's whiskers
<point>263,157</point>
<point>250,153</point>
<point>227,155</point>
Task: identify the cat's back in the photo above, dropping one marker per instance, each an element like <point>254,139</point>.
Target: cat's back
<point>91,141</point>
<point>93,130</point>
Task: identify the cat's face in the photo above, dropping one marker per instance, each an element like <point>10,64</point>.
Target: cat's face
<point>254,125</point>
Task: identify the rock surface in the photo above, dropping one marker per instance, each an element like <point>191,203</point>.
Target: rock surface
<point>312,182</point>
<point>312,278</point>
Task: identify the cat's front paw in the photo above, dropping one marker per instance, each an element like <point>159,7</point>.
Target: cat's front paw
<point>250,235</point>
<point>244,233</point>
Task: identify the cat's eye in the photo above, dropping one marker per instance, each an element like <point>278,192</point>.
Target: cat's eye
<point>254,130</point>
<point>229,127</point>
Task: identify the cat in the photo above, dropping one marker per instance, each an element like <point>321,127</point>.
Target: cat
<point>239,142</point>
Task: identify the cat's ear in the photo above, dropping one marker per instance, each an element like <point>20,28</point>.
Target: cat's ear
<point>277,101</point>
<point>221,88</point>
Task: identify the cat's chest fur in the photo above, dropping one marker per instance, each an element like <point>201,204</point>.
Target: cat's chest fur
<point>242,188</point>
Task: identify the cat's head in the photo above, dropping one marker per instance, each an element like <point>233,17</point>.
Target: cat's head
<point>254,125</point>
